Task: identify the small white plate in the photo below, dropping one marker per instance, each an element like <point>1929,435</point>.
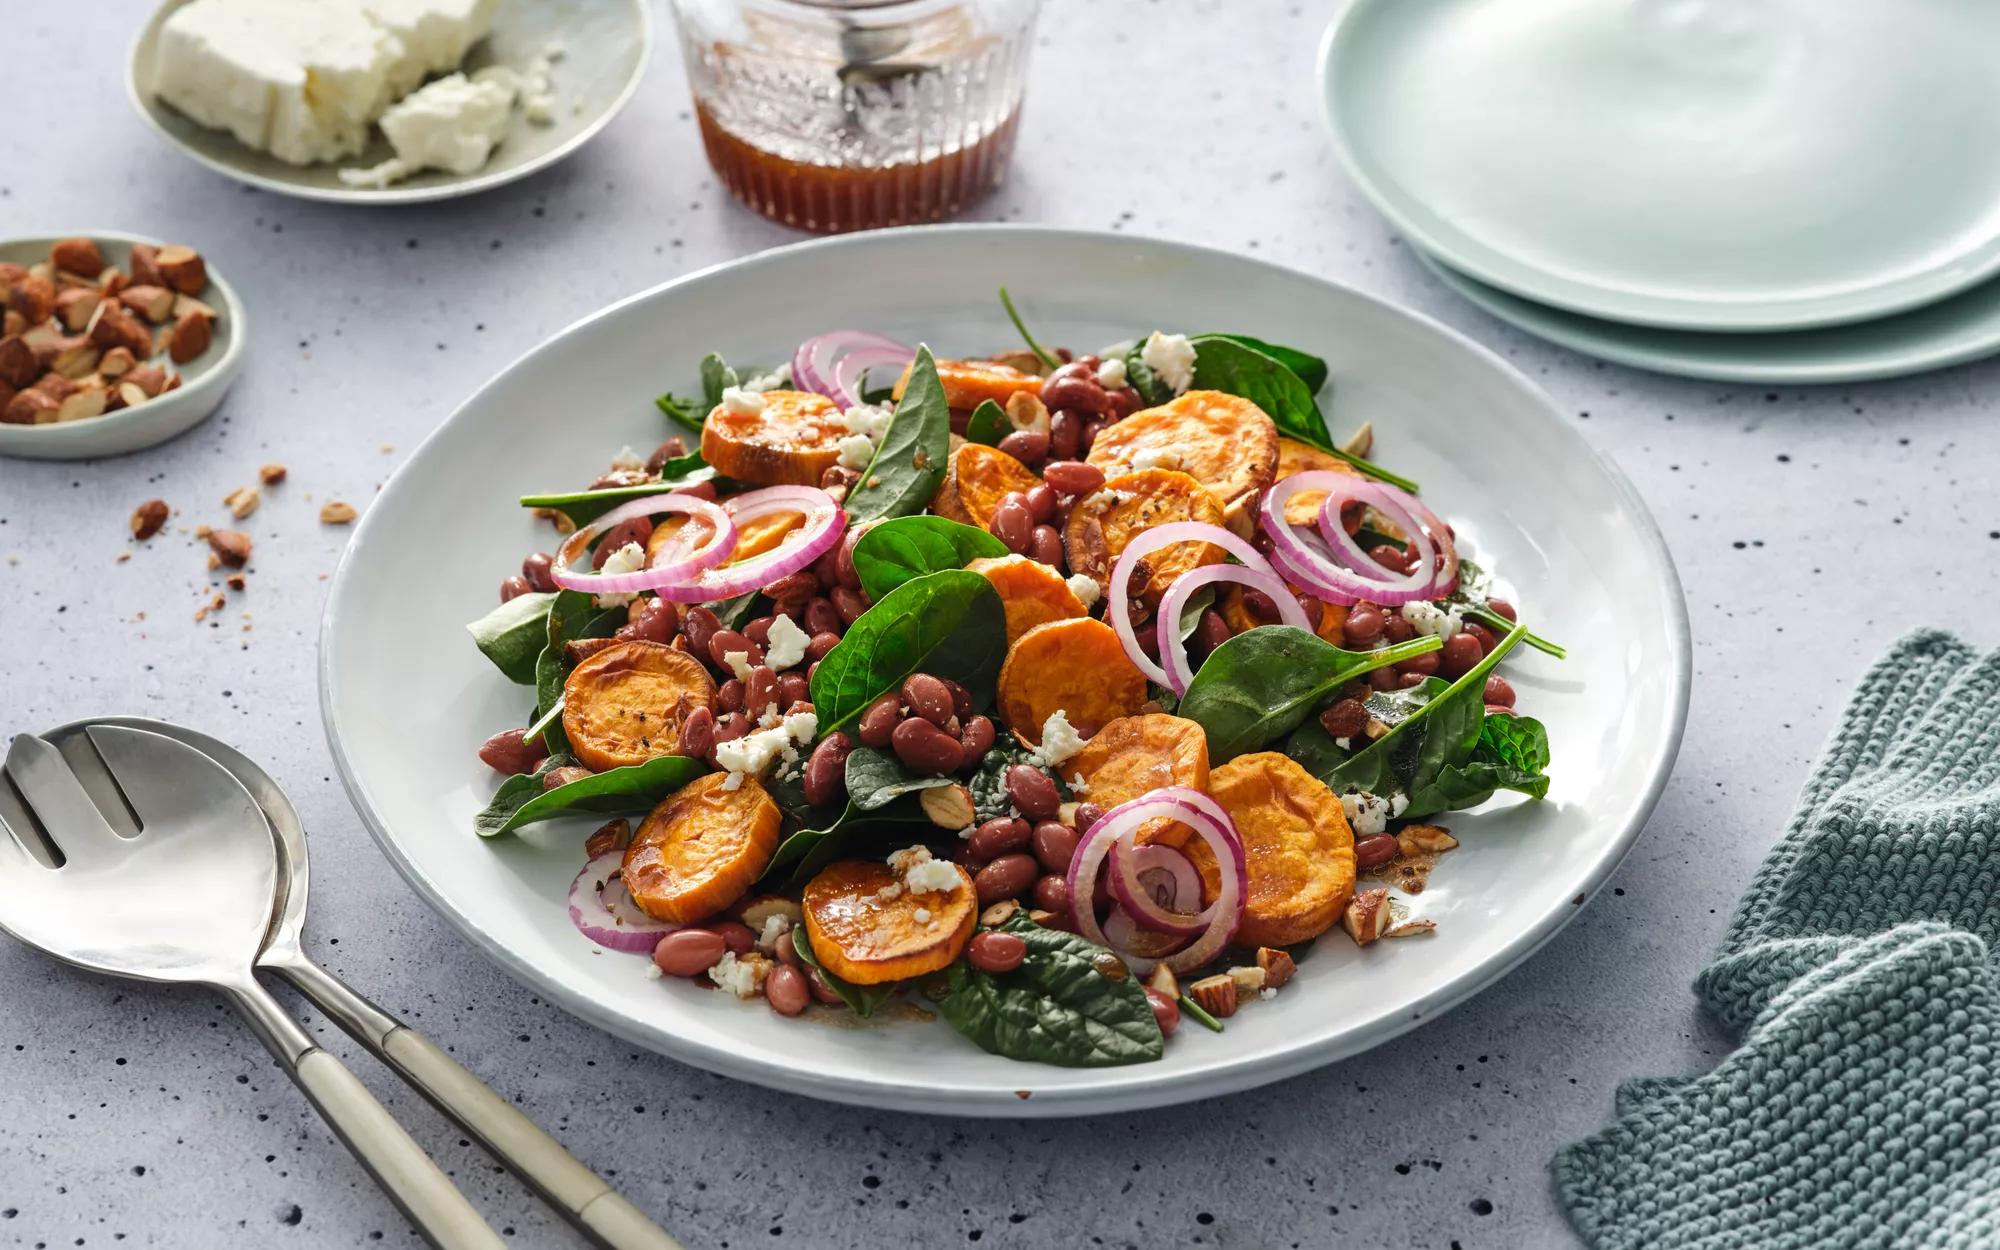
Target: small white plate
<point>407,700</point>
<point>605,46</point>
<point>1950,332</point>
<point>1716,165</point>
<point>204,380</point>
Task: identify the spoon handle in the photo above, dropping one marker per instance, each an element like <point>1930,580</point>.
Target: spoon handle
<point>583,1197</point>
<point>399,1165</point>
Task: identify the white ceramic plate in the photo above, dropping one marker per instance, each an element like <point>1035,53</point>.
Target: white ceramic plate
<point>605,45</point>
<point>407,699</point>
<point>1697,164</point>
<point>1949,332</point>
<point>204,380</point>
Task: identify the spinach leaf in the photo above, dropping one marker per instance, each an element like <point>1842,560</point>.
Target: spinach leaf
<point>1227,364</point>
<point>572,615</point>
<point>1007,302</point>
<point>514,793</point>
<point>1262,683</point>
<point>716,377</point>
<point>513,634</point>
<point>833,834</point>
<point>876,778</point>
<point>634,788</point>
<point>1311,369</point>
<point>949,623</point>
<point>864,999</point>
<point>584,506</point>
<point>1140,376</point>
<point>1470,596</point>
<point>1516,742</point>
<point>1056,1007</point>
<point>988,424</point>
<point>1198,602</point>
<point>683,412</point>
<point>737,612</point>
<point>909,463</point>
<point>897,550</point>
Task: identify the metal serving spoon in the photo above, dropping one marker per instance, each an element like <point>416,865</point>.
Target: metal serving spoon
<point>186,897</point>
<point>583,1197</point>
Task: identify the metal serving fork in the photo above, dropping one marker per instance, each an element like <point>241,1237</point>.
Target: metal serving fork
<point>188,899</point>
<point>585,1199</point>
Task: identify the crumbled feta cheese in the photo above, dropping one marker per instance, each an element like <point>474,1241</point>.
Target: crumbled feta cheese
<point>890,892</point>
<point>1111,374</point>
<point>1085,588</point>
<point>965,834</point>
<point>776,379</point>
<point>1078,787</point>
<point>653,972</point>
<point>775,927</point>
<point>786,644</point>
<point>1060,740</point>
<point>1398,804</point>
<point>1171,358</point>
<point>627,559</point>
<point>856,450</point>
<point>1367,814</point>
<point>900,862</point>
<point>1432,618</point>
<point>1267,993</point>
<point>769,720</point>
<point>931,876</point>
<point>753,753</point>
<point>738,663</point>
<point>869,419</point>
<point>1156,458</point>
<point>741,977</point>
<point>922,915</point>
<point>744,403</point>
<point>628,459</point>
<point>1345,744</point>
<point>802,727</point>
<point>733,781</point>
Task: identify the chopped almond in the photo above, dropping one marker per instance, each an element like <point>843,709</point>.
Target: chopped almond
<point>148,517</point>
<point>1277,965</point>
<point>232,547</point>
<point>242,501</point>
<point>1368,916</point>
<point>75,307</point>
<point>192,333</point>
<point>1216,995</point>
<point>335,512</point>
<point>183,268</point>
<point>154,303</point>
<point>79,256</point>
<point>271,474</point>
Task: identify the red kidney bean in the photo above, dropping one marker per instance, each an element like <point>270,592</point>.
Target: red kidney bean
<point>760,692</point>
<point>505,752</point>
<point>1386,679</point>
<point>1032,791</point>
<point>1149,640</point>
<point>849,603</point>
<point>514,587</point>
<point>1074,390</point>
<point>689,952</point>
<point>793,688</point>
<point>1390,557</point>
<point>1499,690</point>
<point>818,645</point>
<point>1483,635</point>
<point>821,991</point>
<point>556,778</point>
<point>961,698</point>
<point>1261,606</point>
<point>1494,709</point>
<point>729,695</point>
<point>538,570</point>
<point>632,530</point>
<point>1043,501</point>
<point>1396,629</point>
<point>1030,447</point>
<point>1006,877</point>
<point>1052,893</point>
<point>1091,429</point>
<point>1073,477</point>
<point>826,569</point>
<point>1055,843</point>
<point>962,856</point>
<point>1063,512</point>
<point>726,642</point>
<point>1344,719</point>
<point>1502,608</point>
<point>759,630</point>
<point>1166,1012</point>
<point>1065,434</point>
<point>786,953</point>
<point>1045,546</point>
<point>1461,652</point>
<point>1373,852</point>
<point>843,564</point>
<point>1210,631</point>
<point>700,626</point>
<point>792,591</point>
<point>925,748</point>
<point>999,836</point>
<point>1012,523</point>
<point>697,737</point>
<point>700,490</point>
<point>1087,814</point>
<point>995,951</point>
<point>928,697</point>
<point>1409,681</point>
<point>1423,665</point>
<point>731,726</point>
<point>1124,402</point>
<point>785,989</point>
<point>977,739</point>
<point>735,935</point>
<point>822,617</point>
<point>880,721</point>
<point>673,449</point>
<point>652,621</point>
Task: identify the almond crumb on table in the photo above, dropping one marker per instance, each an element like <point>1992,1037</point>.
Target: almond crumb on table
<point>334,512</point>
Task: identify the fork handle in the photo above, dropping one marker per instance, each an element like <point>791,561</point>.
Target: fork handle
<point>399,1165</point>
<point>583,1197</point>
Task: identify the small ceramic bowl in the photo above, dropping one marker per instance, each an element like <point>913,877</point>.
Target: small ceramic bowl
<point>204,380</point>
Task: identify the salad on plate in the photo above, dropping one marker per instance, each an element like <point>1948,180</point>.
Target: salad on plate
<point>1065,697</point>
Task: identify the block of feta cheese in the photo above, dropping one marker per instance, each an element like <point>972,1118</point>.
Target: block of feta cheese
<point>300,81</point>
<point>436,34</point>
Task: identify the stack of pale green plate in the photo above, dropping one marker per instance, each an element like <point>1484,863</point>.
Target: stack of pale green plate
<point>1749,190</point>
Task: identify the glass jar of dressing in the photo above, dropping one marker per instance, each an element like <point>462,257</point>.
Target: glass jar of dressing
<point>833,115</point>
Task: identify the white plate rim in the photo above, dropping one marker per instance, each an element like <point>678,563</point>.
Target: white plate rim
<point>80,440</point>
<point>467,184</point>
<point>1120,1089</point>
<point>1611,303</point>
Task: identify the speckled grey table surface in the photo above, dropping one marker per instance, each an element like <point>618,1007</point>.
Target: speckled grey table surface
<point>150,1117</point>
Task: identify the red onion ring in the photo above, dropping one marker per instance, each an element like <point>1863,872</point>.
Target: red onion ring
<point>1119,610</point>
<point>1339,571</point>
<point>1135,895</point>
<point>821,532</point>
<point>832,364</point>
<point>602,909</point>
<point>1126,935</point>
<point>1117,827</point>
<point>1173,650</point>
<point>721,542</point>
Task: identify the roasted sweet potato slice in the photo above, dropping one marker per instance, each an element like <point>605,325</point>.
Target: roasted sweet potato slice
<point>1104,521</point>
<point>625,704</point>
<point>867,927</point>
<point>1327,618</point>
<point>753,538</point>
<point>1223,441</point>
<point>791,442</point>
<point>967,382</point>
<point>1296,844</point>
<point>702,848</point>
<point>1135,754</point>
<point>980,477</point>
<point>1076,667</point>
<point>1031,592</point>
<point>1297,457</point>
